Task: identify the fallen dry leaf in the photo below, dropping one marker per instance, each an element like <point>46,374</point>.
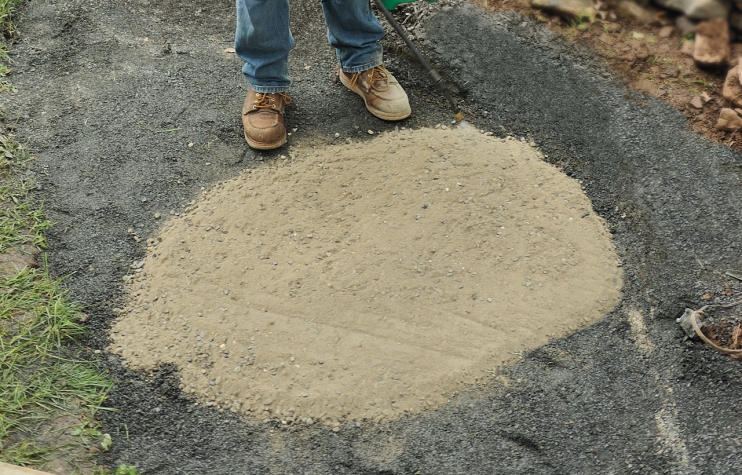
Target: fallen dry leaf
<point>707,296</point>
<point>737,336</point>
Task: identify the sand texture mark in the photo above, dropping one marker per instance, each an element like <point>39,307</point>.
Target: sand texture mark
<point>359,282</point>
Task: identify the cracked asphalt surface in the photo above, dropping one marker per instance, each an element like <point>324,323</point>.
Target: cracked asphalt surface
<point>110,94</point>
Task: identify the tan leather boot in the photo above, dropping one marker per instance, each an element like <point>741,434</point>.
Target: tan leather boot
<point>383,95</point>
<point>262,118</point>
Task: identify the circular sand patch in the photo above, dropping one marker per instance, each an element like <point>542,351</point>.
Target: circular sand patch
<point>363,281</point>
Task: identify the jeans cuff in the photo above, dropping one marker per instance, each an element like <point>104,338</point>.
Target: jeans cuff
<point>364,67</point>
<point>269,89</point>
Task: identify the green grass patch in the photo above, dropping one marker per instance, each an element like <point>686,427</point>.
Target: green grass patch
<point>21,224</point>
<point>127,470</point>
<point>6,16</point>
<point>49,393</point>
<point>49,390</point>
<point>36,377</point>
<point>7,30</point>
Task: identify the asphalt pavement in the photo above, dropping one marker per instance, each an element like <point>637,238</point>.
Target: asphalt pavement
<point>110,94</point>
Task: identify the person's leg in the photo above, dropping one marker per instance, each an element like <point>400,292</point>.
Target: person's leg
<point>355,32</point>
<point>263,41</point>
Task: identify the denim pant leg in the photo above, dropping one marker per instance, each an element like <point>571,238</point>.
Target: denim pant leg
<point>355,32</point>
<point>263,42</point>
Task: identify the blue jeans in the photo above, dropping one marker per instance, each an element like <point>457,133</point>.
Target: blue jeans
<point>263,39</point>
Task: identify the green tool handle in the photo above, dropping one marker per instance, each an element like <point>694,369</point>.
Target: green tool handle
<point>392,4</point>
<point>432,73</point>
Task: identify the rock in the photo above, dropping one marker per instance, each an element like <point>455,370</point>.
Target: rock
<point>686,325</point>
<point>697,102</point>
<point>565,8</point>
<point>666,31</point>
<point>732,90</point>
<point>729,120</point>
<point>631,10</point>
<point>712,43</point>
<point>699,9</point>
<point>688,47</point>
<point>685,25</point>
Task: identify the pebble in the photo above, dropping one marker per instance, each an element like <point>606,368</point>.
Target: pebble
<point>158,216</point>
<point>370,132</point>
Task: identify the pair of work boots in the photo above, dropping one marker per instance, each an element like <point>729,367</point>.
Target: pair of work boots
<point>263,114</point>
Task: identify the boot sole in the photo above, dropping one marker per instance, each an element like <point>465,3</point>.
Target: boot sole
<point>380,114</point>
<point>265,145</point>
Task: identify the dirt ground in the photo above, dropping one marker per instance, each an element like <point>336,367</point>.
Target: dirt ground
<point>110,105</point>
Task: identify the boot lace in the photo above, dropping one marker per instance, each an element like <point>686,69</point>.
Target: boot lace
<point>378,78</point>
<point>268,101</point>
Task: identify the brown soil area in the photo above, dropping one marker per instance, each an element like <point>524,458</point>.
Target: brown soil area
<point>648,63</point>
<point>360,283</point>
